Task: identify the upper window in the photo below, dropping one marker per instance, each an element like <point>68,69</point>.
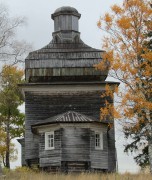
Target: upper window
<point>98,140</point>
<point>49,140</point>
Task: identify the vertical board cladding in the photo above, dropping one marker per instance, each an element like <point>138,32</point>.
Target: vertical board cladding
<point>98,157</point>
<point>52,157</point>
<point>23,154</point>
<point>22,142</point>
<point>75,144</point>
<point>111,150</point>
<point>42,105</point>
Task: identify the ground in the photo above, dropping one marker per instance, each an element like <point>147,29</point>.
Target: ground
<point>26,174</point>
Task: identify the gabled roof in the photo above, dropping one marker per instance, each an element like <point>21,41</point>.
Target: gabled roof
<point>67,117</point>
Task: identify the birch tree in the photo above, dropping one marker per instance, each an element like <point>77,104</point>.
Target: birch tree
<point>12,50</point>
<point>130,62</point>
<point>11,120</point>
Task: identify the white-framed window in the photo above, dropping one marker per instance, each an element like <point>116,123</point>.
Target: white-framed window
<point>49,140</point>
<point>99,140</point>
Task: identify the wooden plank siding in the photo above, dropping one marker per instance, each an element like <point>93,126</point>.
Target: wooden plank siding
<point>75,144</point>
<point>98,157</point>
<point>61,81</point>
<point>54,59</point>
<point>50,157</point>
<point>39,106</point>
<point>22,142</point>
<point>111,151</point>
<point>59,60</point>
<point>63,72</point>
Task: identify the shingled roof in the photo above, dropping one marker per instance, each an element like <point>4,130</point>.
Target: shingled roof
<point>66,57</point>
<point>67,117</point>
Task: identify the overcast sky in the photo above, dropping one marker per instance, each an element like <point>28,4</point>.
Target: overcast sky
<point>38,32</point>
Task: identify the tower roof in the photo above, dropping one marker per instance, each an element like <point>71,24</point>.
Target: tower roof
<point>66,57</point>
<point>66,10</point>
<point>68,117</point>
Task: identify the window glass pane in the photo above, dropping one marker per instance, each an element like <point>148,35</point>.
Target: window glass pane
<point>51,136</point>
<point>49,140</point>
<point>52,143</point>
<point>97,140</point>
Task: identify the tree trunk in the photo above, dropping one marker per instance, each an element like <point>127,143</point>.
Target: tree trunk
<point>4,162</point>
<point>150,154</point>
<point>8,141</point>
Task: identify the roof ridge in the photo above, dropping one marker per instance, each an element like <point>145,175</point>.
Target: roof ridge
<point>68,116</point>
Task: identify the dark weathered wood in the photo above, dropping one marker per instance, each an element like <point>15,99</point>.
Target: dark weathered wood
<point>99,157</point>
<point>57,77</point>
<point>41,106</point>
<point>75,144</point>
<point>50,157</point>
<point>45,72</point>
<point>22,142</point>
<point>111,151</point>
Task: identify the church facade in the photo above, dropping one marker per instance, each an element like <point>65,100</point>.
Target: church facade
<point>63,131</point>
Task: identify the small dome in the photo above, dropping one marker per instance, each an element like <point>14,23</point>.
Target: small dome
<point>66,9</point>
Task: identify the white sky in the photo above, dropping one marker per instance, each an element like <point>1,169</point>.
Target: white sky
<point>39,32</point>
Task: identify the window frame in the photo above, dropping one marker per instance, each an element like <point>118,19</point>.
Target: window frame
<point>47,134</point>
<point>100,147</point>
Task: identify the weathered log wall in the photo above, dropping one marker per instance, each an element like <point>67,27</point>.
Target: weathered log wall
<point>22,142</point>
<point>98,157</point>
<point>39,106</point>
<point>76,143</point>
<point>50,157</point>
<point>111,151</point>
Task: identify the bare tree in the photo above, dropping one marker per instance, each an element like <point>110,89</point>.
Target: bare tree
<point>12,51</point>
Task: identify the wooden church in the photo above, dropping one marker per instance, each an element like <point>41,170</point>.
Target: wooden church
<point>63,131</point>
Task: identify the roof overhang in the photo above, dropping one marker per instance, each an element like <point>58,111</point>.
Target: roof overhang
<point>60,87</point>
<point>38,129</point>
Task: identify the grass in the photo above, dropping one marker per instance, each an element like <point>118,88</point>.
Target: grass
<point>25,174</point>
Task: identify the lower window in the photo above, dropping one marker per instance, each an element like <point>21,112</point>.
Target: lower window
<point>49,140</point>
<point>99,140</point>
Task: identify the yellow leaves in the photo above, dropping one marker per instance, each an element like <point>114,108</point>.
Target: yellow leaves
<point>116,66</point>
<point>117,9</point>
<point>116,114</point>
<point>128,68</point>
<point>2,141</point>
<point>147,55</point>
<point>108,92</point>
<point>11,70</point>
<point>141,5</point>
<point>129,58</point>
<point>104,112</point>
<point>99,24</point>
<point>104,64</point>
<point>10,77</point>
<point>108,18</point>
<point>108,110</point>
<point>124,22</point>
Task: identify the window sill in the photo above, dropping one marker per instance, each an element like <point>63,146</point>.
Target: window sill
<point>99,149</point>
<point>46,149</point>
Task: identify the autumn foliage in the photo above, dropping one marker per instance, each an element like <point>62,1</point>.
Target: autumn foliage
<point>11,119</point>
<point>128,28</point>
